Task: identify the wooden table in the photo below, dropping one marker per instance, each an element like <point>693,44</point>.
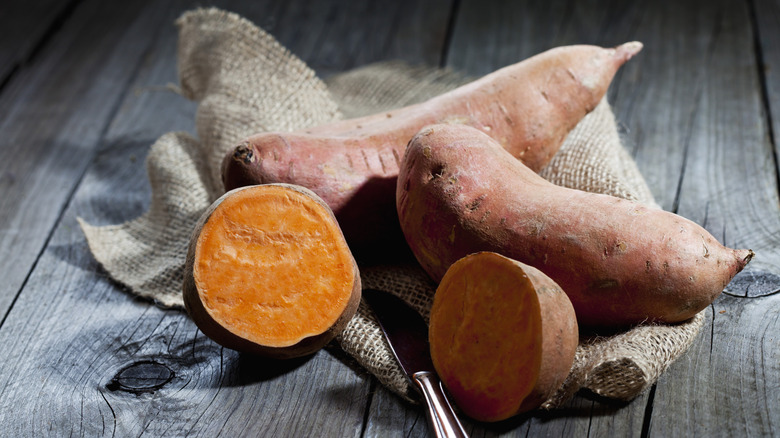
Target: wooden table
<point>84,93</point>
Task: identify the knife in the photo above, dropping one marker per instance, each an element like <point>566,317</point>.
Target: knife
<point>407,334</point>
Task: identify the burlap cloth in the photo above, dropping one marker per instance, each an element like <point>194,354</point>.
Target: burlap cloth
<point>246,82</point>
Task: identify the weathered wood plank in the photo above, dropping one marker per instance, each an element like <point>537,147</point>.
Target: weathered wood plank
<point>52,114</point>
<point>727,384</point>
<point>728,184</point>
<point>766,15</point>
<point>24,25</point>
<point>488,36</point>
<point>340,35</point>
<point>390,415</point>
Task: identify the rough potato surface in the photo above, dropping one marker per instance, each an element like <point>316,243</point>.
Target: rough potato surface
<point>620,262</point>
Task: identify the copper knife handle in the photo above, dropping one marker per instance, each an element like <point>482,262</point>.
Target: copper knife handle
<point>442,418</point>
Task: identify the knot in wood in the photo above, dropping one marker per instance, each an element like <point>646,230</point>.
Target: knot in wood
<point>141,377</point>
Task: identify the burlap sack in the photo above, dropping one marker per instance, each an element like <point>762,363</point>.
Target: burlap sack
<point>246,82</point>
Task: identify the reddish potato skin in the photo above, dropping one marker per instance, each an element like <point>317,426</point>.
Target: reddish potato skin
<point>560,337</point>
<point>528,107</point>
<point>620,262</point>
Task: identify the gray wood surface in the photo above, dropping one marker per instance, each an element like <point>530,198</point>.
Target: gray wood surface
<point>25,27</point>
<point>89,84</point>
<point>340,35</point>
<point>52,115</point>
<point>727,183</point>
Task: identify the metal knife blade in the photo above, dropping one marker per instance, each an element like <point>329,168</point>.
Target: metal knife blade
<point>405,329</point>
<point>407,334</point>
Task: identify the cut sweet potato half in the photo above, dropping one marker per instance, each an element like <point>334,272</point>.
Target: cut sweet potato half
<point>269,272</point>
<point>503,336</point>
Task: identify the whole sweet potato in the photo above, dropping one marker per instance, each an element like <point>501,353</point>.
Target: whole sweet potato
<point>618,261</point>
<point>529,108</point>
<point>503,336</point>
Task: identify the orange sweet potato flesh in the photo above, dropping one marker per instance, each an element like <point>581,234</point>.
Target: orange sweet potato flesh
<point>620,262</point>
<point>503,336</point>
<point>528,107</point>
<point>269,272</point>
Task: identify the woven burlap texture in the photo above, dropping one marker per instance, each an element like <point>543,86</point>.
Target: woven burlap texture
<point>245,82</point>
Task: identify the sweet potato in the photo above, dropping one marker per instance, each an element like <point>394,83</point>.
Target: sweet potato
<point>619,262</point>
<point>528,107</point>
<point>268,272</point>
<point>503,336</point>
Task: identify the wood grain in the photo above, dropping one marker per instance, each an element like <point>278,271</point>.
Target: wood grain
<point>26,26</point>
<point>766,14</point>
<point>340,35</point>
<point>53,115</point>
<point>96,362</point>
<point>727,182</point>
<point>766,17</point>
<point>727,383</point>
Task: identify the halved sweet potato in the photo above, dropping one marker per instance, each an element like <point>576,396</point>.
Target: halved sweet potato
<point>503,336</point>
<point>269,272</point>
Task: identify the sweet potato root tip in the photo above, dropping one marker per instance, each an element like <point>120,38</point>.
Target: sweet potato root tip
<point>269,272</point>
<point>744,256</point>
<point>620,263</point>
<point>243,154</point>
<point>503,336</point>
<point>627,50</point>
<point>237,167</point>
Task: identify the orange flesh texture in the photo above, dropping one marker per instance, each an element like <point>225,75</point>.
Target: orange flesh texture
<point>486,336</point>
<point>272,267</point>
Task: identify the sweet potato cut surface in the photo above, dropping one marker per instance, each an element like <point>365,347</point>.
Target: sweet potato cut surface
<point>503,336</point>
<point>620,262</point>
<point>269,272</point>
<point>528,107</point>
